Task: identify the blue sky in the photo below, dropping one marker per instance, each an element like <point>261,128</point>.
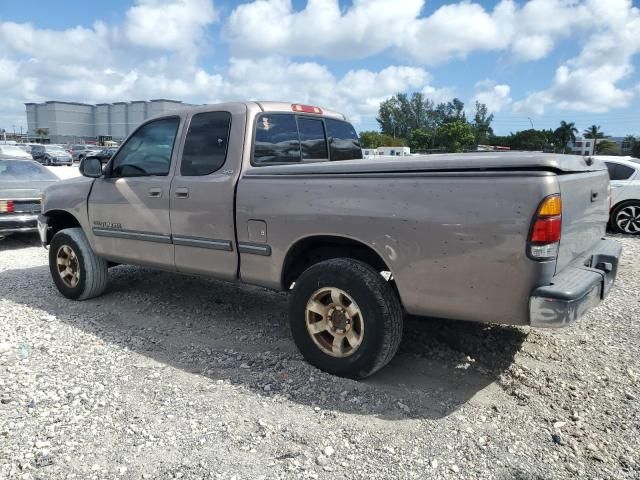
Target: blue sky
<point>536,62</point>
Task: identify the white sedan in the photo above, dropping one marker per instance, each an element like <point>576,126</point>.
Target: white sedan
<point>624,173</point>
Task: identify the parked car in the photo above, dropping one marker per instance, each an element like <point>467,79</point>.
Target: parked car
<point>21,183</point>
<point>51,155</point>
<point>278,195</point>
<point>624,173</point>
<point>78,152</point>
<point>13,151</point>
<point>105,154</point>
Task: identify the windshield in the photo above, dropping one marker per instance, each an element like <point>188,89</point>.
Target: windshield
<point>20,170</point>
<point>55,149</point>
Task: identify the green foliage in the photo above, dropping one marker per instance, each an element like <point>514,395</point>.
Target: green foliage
<point>455,135</point>
<point>482,124</point>
<point>420,121</point>
<point>42,132</point>
<point>373,139</point>
<point>420,139</point>
<point>607,147</point>
<point>565,134</point>
<point>529,140</point>
<point>635,149</point>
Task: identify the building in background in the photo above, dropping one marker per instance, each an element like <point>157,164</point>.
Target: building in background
<point>73,122</point>
<point>394,151</point>
<point>585,146</point>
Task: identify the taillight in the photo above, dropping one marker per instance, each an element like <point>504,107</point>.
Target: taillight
<point>544,239</point>
<point>305,109</point>
<point>6,206</point>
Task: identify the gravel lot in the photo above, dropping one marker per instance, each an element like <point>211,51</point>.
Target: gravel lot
<point>170,376</point>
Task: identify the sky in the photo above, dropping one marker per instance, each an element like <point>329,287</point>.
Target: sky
<point>533,63</point>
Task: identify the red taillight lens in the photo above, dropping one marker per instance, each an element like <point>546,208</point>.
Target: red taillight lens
<point>306,109</point>
<point>544,241</point>
<point>6,206</point>
<point>546,230</point>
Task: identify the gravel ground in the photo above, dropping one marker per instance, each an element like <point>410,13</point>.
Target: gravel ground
<point>170,376</point>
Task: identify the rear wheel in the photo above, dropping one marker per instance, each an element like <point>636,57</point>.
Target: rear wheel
<point>78,273</point>
<point>625,218</point>
<point>345,318</point>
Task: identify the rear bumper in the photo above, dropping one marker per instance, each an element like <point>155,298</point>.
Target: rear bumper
<point>577,288</point>
<point>19,223</point>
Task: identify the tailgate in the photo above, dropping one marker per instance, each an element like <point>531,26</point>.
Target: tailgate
<point>585,212</point>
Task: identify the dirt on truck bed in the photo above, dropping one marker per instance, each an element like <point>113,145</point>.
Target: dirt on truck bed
<point>171,376</point>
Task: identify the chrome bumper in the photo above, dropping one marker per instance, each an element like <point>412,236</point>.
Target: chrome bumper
<point>577,288</point>
<point>43,228</point>
<point>19,223</point>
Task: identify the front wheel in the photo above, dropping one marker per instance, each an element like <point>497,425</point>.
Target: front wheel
<point>345,318</point>
<point>625,218</point>
<point>78,273</point>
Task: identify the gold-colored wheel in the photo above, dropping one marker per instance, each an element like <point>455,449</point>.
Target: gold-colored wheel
<point>68,266</point>
<point>334,322</point>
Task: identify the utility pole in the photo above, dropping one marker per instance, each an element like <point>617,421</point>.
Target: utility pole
<point>531,122</point>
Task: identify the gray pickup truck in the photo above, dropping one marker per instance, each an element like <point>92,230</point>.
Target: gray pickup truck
<point>278,195</point>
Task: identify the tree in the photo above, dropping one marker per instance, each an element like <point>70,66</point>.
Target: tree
<point>42,133</point>
<point>565,134</point>
<point>456,135</point>
<point>607,147</point>
<point>420,139</point>
<point>635,150</point>
<point>530,140</point>
<point>482,124</point>
<point>595,133</point>
<point>373,139</point>
<point>631,140</point>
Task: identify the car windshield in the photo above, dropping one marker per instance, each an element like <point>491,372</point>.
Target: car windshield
<point>20,170</point>
<point>55,149</point>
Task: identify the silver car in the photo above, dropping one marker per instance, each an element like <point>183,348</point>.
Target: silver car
<point>21,182</point>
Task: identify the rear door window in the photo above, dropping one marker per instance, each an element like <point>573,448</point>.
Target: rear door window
<point>343,140</point>
<point>313,141</point>
<point>205,148</point>
<point>619,172</point>
<point>277,139</point>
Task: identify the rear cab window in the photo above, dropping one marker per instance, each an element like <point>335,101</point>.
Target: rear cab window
<point>282,138</point>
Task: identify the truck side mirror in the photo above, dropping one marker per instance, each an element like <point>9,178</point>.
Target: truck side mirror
<point>91,167</point>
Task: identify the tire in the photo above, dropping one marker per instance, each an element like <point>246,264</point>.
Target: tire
<point>92,279</point>
<point>380,317</point>
<point>47,162</point>
<point>625,218</point>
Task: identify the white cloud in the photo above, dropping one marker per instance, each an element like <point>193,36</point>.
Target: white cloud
<point>156,52</point>
<point>495,96</point>
<point>591,81</point>
<point>169,24</point>
<point>368,27</point>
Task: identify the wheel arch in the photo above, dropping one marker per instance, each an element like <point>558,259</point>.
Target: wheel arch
<point>59,220</point>
<point>313,249</point>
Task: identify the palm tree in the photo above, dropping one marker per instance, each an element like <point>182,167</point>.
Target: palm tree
<point>595,133</point>
<point>42,133</point>
<point>566,133</point>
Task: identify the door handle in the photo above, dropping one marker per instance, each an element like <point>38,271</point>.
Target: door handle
<point>155,192</point>
<point>182,192</point>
